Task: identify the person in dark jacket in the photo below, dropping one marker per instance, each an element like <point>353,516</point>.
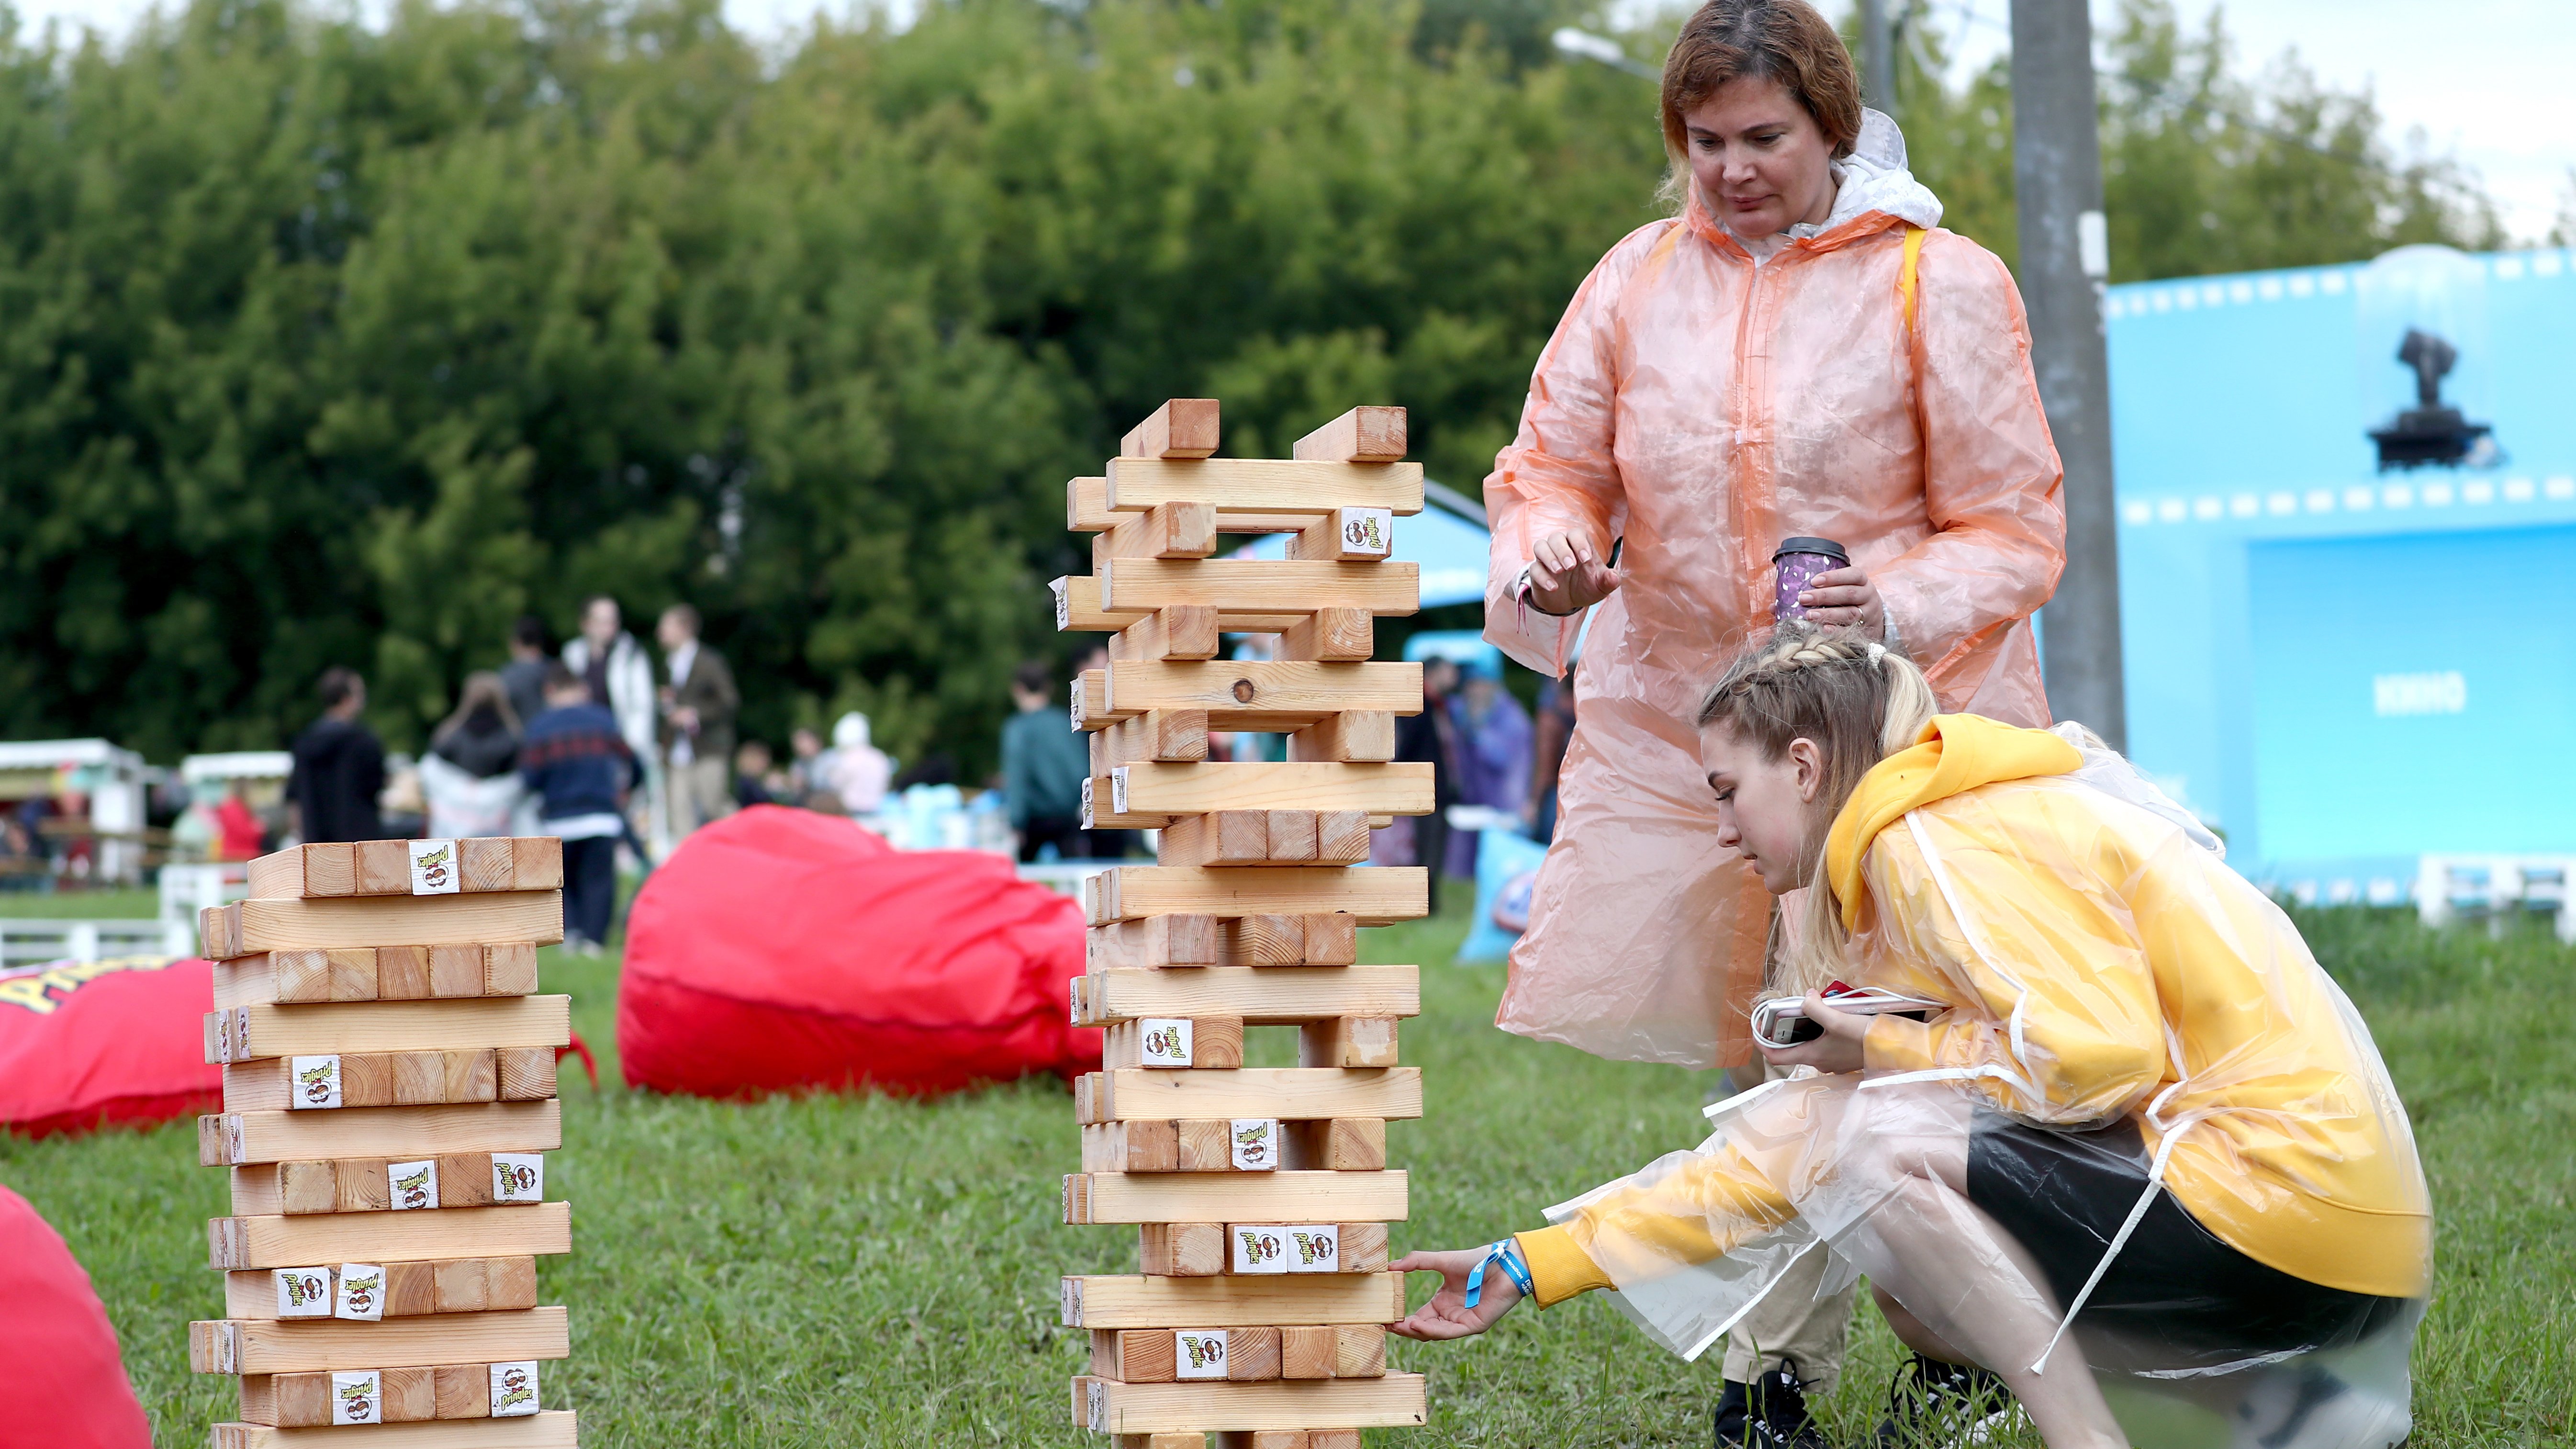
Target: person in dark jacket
<point>524,677</point>
<point>698,709</point>
<point>339,767</point>
<point>580,768</point>
<point>1043,765</point>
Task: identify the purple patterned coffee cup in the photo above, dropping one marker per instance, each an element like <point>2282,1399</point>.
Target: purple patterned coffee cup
<point>1799,560</point>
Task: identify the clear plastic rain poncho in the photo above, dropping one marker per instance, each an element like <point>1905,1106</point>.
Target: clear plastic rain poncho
<point>2108,974</point>
<point>1702,408</point>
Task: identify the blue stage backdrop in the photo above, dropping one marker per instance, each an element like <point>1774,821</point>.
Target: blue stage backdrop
<point>2344,667</point>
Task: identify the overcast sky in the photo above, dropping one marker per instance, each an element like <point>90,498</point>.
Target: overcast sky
<point>2474,75</point>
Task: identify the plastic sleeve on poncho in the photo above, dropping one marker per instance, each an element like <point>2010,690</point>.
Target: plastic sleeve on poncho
<point>1558,475</point>
<point>1991,476</point>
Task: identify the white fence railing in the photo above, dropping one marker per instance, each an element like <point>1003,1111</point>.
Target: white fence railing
<point>31,943</point>
<point>2498,886</point>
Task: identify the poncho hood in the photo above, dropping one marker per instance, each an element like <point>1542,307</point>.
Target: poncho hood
<point>1955,753</point>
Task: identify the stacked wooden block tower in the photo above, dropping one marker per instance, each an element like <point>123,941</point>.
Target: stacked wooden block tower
<point>1262,1195</point>
<point>389,1095</point>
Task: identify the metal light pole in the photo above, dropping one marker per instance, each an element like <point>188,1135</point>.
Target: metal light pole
<point>2065,257</point>
<point>1878,55</point>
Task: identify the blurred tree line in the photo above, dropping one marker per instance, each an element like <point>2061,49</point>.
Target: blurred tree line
<point>322,344</point>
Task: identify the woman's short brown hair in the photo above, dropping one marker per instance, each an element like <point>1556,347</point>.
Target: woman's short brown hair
<point>1784,41</point>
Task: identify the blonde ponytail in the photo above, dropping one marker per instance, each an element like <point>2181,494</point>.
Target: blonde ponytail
<point>1858,701</point>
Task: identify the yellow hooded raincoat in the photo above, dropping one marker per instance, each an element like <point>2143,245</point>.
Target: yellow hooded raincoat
<point>1702,408</point>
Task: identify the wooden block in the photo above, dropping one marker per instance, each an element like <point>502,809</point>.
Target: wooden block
<point>269,1346</point>
<point>1131,1147</point>
<point>298,1187</point>
<point>1292,837</point>
<point>1259,995</point>
<point>1358,736</point>
<point>527,1074</point>
<point>464,1391</point>
<point>1192,1440</point>
<point>1252,1355</point>
<point>1359,1351</point>
<point>354,974</point>
<point>305,976</point>
<point>553,1429</point>
<point>1182,1250</point>
<point>1109,1407</point>
<point>1346,535</point>
<point>1401,788</point>
<point>1334,635</point>
<point>1332,1439</point>
<point>362,1186</point>
<point>1152,944</point>
<point>289,1400</point>
<point>465,1179</point>
<point>512,1282</point>
<point>1089,701</point>
<point>539,862</point>
<point>231,1139</point>
<point>1257,694</point>
<point>384,868</point>
<point>1184,427</point>
<point>1202,1197</point>
<point>1341,837</point>
<point>328,869</point>
<point>1363,1247</point>
<point>420,1078</point>
<point>425,1235</point>
<point>365,1080</point>
<point>1087,510</point>
<point>1179,736</point>
<point>1133,1355</point>
<point>411,1289</point>
<point>1287,1093</point>
<point>1225,837</point>
<point>1306,1352</point>
<point>510,969</point>
<point>464,1285</point>
<point>1264,1438</point>
<point>1362,435</point>
<point>474,1076</point>
<point>1339,1144</point>
<point>1166,530</point>
<point>410,1395</point>
<point>489,863</point>
<point>453,970</point>
<point>1266,485</point>
<point>1289,587</point>
<point>246,927</point>
<point>1347,1041</point>
<point>1372,897</point>
<point>1211,1042</point>
<point>1232,1301</point>
<point>1175,633</point>
<point>1332,938</point>
<point>403,972</point>
<point>1078,606</point>
<point>1262,941</point>
<point>1098,815</point>
<point>285,1031</point>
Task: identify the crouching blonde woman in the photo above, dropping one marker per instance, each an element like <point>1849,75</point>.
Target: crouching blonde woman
<point>2139,1158</point>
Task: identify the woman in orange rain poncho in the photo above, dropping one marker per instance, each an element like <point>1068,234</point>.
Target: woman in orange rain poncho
<point>2135,1153</point>
<point>1795,354</point>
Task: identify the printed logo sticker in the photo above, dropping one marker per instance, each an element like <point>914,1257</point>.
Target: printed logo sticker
<point>316,1082</point>
<point>1096,1406</point>
<point>362,1293</point>
<point>1368,530</point>
<point>357,1398</point>
<point>518,1177</point>
<point>1118,791</point>
<point>1316,1249</point>
<point>303,1292</point>
<point>1198,1353</point>
<point>234,1150</point>
<point>1254,1144</point>
<point>433,868</point>
<point>1063,605</point>
<point>514,1389</point>
<point>1166,1042</point>
<point>413,1184</point>
<point>1260,1250</point>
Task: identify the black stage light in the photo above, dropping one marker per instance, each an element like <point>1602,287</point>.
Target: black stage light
<point>2431,432</point>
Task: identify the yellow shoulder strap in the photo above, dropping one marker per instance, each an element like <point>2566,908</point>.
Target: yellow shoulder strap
<point>1906,278</point>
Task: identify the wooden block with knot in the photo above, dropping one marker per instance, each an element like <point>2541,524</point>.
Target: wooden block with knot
<point>1362,435</point>
<point>1183,427</point>
<point>1262,694</point>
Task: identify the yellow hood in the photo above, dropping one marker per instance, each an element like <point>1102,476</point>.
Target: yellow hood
<point>1955,754</point>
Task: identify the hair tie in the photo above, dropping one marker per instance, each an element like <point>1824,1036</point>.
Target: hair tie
<point>1877,652</point>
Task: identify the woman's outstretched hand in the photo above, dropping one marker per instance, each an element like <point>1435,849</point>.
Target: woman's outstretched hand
<point>1447,1314</point>
<point>1843,598</point>
<point>1566,575</point>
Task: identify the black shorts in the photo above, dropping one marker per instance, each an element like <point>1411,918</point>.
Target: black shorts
<point>2176,1297</point>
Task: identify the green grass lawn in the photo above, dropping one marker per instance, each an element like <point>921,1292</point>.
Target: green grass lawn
<point>850,1270</point>
<point>99,905</point>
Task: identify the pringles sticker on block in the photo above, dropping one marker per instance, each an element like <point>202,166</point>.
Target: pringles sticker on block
<point>514,1389</point>
<point>303,1292</point>
<point>1166,1042</point>
<point>1368,530</point>
<point>518,1177</point>
<point>1253,1144</point>
<point>358,1398</point>
<point>1314,1249</point>
<point>315,1082</point>
<point>433,868</point>
<point>1198,1353</point>
<point>1259,1249</point>
<point>362,1293</point>
<point>413,1184</point>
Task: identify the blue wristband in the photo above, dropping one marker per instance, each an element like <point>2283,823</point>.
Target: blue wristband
<point>1507,1253</point>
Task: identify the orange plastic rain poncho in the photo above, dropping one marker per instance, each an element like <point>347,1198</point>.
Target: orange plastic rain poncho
<point>1702,408</point>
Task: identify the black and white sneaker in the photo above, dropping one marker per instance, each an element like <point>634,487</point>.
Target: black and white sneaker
<point>1768,1413</point>
<point>1935,1405</point>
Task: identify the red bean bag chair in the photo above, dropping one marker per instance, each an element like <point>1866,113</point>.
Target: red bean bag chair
<point>60,1372</point>
<point>85,1044</point>
<point>781,950</point>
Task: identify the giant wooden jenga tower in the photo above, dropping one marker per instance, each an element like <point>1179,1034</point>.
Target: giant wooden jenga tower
<point>389,1090</point>
<point>1262,1195</point>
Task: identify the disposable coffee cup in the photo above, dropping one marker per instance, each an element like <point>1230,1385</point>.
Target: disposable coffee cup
<point>1799,560</point>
